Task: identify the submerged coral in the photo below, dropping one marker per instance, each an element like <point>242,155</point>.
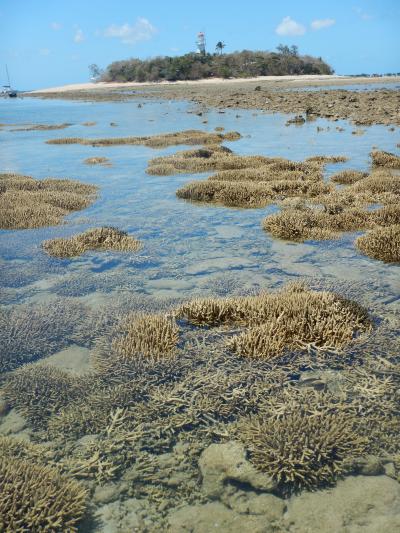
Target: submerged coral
<point>38,391</point>
<point>156,141</point>
<point>105,238</point>
<point>299,448</point>
<point>30,332</point>
<point>37,498</point>
<point>381,243</point>
<point>29,203</point>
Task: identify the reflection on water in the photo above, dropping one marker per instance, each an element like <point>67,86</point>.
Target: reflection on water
<point>188,250</point>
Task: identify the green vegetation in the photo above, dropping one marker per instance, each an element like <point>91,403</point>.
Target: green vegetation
<point>236,65</point>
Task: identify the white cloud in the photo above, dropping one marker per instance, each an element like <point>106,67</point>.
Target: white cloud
<point>44,52</point>
<point>55,26</point>
<point>288,26</point>
<point>78,37</point>
<point>141,30</point>
<point>322,23</point>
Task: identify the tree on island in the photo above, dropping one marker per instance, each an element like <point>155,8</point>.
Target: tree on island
<point>95,72</point>
<point>219,47</point>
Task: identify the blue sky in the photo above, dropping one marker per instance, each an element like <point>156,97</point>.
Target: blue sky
<point>47,43</point>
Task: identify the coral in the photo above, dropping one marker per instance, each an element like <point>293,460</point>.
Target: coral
<point>381,243</point>
<point>97,161</point>
<point>303,446</point>
<point>156,141</point>
<point>296,224</point>
<point>44,127</point>
<point>105,238</point>
<point>347,177</point>
<point>385,159</point>
<point>89,123</point>
<point>147,335</point>
<point>29,203</point>
<point>37,498</point>
<point>249,194</point>
<point>291,318</point>
<point>38,391</point>
<point>29,332</point>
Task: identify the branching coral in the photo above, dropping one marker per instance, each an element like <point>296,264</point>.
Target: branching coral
<point>30,332</point>
<point>105,238</point>
<point>299,449</point>
<point>308,223</point>
<point>347,177</point>
<point>381,243</point>
<point>153,336</point>
<point>29,203</point>
<point>156,141</point>
<point>97,161</point>
<point>291,318</point>
<point>385,159</point>
<point>38,391</point>
<point>37,498</point>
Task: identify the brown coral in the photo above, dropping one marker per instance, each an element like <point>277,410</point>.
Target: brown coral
<point>156,141</point>
<point>105,238</point>
<point>300,449</point>
<point>381,243</point>
<point>385,159</point>
<point>37,498</point>
<point>29,203</point>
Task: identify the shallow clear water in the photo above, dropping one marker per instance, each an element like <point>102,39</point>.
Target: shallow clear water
<point>188,250</point>
<point>186,247</point>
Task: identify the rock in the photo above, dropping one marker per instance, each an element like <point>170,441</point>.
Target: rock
<point>358,504</point>
<point>390,470</point>
<point>215,516</point>
<point>119,517</point>
<point>369,466</point>
<point>4,407</point>
<point>222,463</point>
<point>249,502</point>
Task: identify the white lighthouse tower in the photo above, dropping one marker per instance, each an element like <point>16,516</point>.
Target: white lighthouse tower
<point>201,43</point>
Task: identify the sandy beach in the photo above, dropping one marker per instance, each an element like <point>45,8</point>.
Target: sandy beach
<point>298,81</point>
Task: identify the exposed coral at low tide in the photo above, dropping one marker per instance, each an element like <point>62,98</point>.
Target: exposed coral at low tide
<point>29,203</point>
<point>155,141</point>
<point>385,159</point>
<point>381,243</point>
<point>97,161</point>
<point>105,238</point>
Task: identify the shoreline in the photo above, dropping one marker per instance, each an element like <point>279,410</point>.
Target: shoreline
<point>308,80</point>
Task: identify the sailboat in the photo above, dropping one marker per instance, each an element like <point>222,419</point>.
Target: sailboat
<point>7,89</point>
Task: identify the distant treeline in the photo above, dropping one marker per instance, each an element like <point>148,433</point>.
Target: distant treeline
<point>245,64</point>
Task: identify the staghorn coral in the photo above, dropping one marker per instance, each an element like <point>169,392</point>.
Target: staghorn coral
<point>38,391</point>
<point>385,159</point>
<point>249,194</point>
<point>105,238</point>
<point>156,141</point>
<point>296,224</point>
<point>293,317</point>
<point>381,243</point>
<point>299,449</point>
<point>44,127</point>
<point>153,336</point>
<point>30,332</point>
<point>97,161</point>
<point>29,203</point>
<point>348,177</point>
<point>38,498</point>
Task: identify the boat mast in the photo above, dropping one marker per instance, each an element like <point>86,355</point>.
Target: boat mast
<point>8,78</point>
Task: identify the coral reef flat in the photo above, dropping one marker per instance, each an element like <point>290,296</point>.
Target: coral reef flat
<point>209,338</point>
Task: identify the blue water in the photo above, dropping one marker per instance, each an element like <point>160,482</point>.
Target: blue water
<point>187,248</point>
